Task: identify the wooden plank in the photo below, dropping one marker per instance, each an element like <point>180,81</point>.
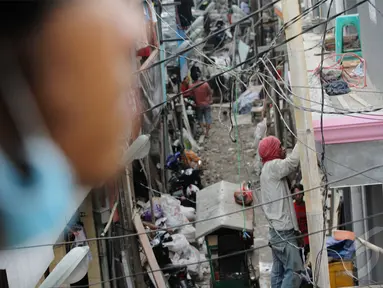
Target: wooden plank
<point>94,272</point>
<point>149,61</point>
<point>158,277</point>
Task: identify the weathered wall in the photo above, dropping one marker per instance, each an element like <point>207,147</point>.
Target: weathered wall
<point>358,156</point>
<point>374,199</point>
<point>372,42</point>
<point>371,272</point>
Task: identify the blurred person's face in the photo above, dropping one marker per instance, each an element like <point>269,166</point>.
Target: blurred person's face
<point>80,67</point>
<point>298,197</point>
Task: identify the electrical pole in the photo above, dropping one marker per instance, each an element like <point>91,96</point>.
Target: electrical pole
<point>308,157</point>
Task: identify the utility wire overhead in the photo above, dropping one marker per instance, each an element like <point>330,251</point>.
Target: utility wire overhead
<point>311,148</point>
<point>237,253</point>
<point>249,59</point>
<point>197,221</point>
<point>323,152</point>
<point>265,7</point>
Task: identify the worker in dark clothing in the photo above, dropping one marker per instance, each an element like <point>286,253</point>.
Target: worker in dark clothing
<point>185,13</point>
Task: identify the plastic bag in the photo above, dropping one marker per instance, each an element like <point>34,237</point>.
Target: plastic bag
<point>191,189</point>
<point>243,197</point>
<point>171,209</point>
<point>189,232</point>
<point>179,243</point>
<point>189,213</point>
<point>260,132</point>
<point>190,257</point>
<point>157,207</point>
<point>245,102</point>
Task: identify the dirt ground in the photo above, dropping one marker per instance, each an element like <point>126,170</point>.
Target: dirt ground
<point>220,156</point>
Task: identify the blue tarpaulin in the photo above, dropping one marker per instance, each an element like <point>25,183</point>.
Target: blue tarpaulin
<point>345,249</point>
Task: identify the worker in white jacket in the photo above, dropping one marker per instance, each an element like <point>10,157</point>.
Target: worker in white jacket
<point>287,263</point>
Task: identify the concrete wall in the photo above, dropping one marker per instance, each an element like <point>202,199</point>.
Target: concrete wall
<point>370,270</point>
<point>358,156</point>
<point>372,42</point>
<point>374,197</point>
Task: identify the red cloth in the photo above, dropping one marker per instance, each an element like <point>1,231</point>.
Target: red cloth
<point>269,149</point>
<point>144,52</point>
<point>202,94</point>
<point>185,87</point>
<point>300,211</point>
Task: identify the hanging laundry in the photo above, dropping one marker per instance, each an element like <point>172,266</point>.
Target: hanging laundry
<point>338,87</point>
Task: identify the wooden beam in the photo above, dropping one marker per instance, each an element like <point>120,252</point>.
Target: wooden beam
<point>158,276</point>
<point>149,61</point>
<point>94,272</point>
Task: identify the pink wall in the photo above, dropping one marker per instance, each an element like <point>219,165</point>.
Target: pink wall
<point>346,129</point>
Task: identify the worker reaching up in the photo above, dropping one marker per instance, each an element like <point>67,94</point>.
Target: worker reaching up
<point>287,262</point>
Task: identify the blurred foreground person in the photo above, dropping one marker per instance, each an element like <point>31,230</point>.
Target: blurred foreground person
<point>287,262</point>
<point>64,68</point>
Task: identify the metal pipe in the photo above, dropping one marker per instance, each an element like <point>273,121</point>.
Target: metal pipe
<point>358,227</point>
<point>171,40</point>
<point>104,263</point>
<point>110,219</point>
<point>169,4</point>
<point>114,282</point>
<point>366,229</point>
<point>370,245</point>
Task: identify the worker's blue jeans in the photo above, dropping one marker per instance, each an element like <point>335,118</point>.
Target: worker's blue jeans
<point>287,261</point>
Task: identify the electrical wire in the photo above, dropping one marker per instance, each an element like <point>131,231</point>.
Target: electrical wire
<point>197,221</point>
<point>374,6</point>
<point>345,268</point>
<point>198,51</point>
<point>323,152</point>
<point>347,112</point>
<point>310,148</point>
<point>235,253</point>
<point>249,59</point>
<point>287,126</point>
<point>215,34</point>
<point>263,8</point>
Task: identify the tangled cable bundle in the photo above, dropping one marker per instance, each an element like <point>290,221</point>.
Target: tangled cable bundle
<point>344,74</point>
